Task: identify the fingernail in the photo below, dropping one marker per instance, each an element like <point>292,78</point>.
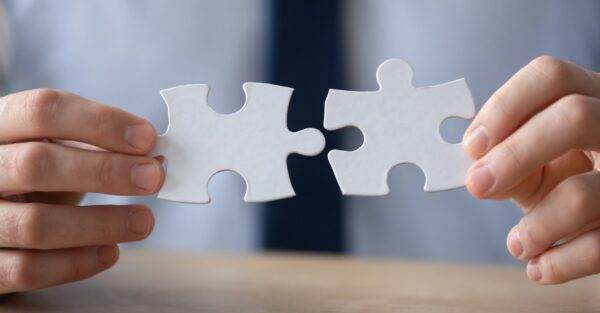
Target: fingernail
<point>139,136</point>
<point>480,179</point>
<point>145,176</point>
<point>533,270</point>
<point>106,255</point>
<point>513,242</point>
<point>477,141</point>
<point>139,222</point>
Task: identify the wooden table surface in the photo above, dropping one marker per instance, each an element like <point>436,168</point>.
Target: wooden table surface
<point>167,282</point>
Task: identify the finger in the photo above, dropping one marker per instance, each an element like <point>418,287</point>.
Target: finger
<point>46,113</point>
<point>567,209</point>
<point>45,226</point>
<point>589,227</point>
<point>39,166</point>
<point>573,122</point>
<point>537,186</point>
<point>24,270</point>
<point>577,258</point>
<point>530,90</point>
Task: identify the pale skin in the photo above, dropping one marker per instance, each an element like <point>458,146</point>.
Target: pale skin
<point>537,141</point>
<point>537,136</point>
<point>55,147</point>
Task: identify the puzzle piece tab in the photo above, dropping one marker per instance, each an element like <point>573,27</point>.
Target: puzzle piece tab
<point>400,124</point>
<point>254,142</point>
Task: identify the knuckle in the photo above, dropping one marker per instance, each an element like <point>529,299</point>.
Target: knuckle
<point>593,248</point>
<point>577,110</point>
<point>554,69</point>
<point>19,274</point>
<point>40,107</point>
<point>106,231</point>
<point>30,163</point>
<point>530,239</point>
<point>580,197</point>
<point>550,270</point>
<point>104,172</point>
<point>30,226</point>
<point>499,104</point>
<point>509,150</point>
<point>76,268</point>
<point>105,120</point>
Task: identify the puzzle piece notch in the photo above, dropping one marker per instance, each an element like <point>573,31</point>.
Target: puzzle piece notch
<point>400,124</point>
<point>253,142</point>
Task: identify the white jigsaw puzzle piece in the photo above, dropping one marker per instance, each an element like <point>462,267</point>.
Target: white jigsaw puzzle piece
<point>253,142</point>
<point>400,124</point>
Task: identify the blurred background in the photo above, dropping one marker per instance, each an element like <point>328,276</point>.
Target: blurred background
<point>122,52</point>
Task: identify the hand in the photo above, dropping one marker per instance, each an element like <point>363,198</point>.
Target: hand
<point>537,141</point>
<point>57,146</point>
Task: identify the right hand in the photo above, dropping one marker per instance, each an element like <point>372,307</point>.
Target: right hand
<point>55,147</point>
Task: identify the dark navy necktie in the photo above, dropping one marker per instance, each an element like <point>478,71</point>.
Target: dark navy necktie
<point>306,57</point>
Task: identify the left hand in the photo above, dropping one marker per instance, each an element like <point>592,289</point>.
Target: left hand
<point>537,141</point>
